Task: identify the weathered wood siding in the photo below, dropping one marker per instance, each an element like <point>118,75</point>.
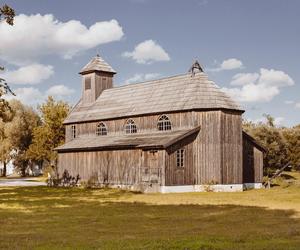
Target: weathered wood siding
<point>252,162</point>
<point>181,175</point>
<point>214,155</point>
<point>232,147</point>
<point>118,167</point>
<point>144,124</point>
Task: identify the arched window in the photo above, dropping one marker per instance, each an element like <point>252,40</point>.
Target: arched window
<point>164,123</point>
<point>130,127</point>
<point>101,129</point>
<point>73,131</point>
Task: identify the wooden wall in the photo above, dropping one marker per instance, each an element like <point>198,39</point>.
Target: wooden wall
<point>144,124</point>
<point>214,155</point>
<point>252,162</point>
<point>118,167</point>
<point>232,147</point>
<point>181,175</point>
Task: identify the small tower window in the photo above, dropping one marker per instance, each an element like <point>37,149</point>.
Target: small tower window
<point>130,127</point>
<point>87,83</point>
<point>101,129</point>
<point>164,123</point>
<point>180,158</point>
<point>73,131</point>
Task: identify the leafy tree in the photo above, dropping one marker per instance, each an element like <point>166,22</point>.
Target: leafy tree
<point>16,135</point>
<point>7,14</point>
<point>292,137</point>
<point>272,139</point>
<point>50,133</point>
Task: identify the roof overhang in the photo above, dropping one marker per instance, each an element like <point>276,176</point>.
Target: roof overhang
<point>250,138</point>
<point>156,140</point>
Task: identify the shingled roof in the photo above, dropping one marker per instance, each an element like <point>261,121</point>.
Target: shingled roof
<point>153,140</point>
<point>177,93</point>
<point>97,64</point>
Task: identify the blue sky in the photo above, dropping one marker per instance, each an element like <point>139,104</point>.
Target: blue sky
<point>251,49</point>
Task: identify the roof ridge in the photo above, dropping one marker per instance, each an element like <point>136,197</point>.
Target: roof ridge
<point>154,80</point>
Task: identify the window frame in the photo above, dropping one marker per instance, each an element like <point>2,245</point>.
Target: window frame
<point>180,157</point>
<point>164,123</point>
<point>130,127</point>
<point>73,131</point>
<point>87,83</point>
<point>101,129</point>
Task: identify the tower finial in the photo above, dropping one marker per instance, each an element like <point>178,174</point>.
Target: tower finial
<point>195,67</point>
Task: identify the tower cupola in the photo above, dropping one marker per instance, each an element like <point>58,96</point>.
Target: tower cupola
<point>97,76</point>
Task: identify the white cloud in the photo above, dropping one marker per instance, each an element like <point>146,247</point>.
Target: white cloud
<point>228,64</point>
<point>142,77</point>
<point>263,88</point>
<point>60,91</point>
<point>147,52</point>
<point>244,78</point>
<point>29,96</point>
<point>33,96</point>
<point>297,105</point>
<point>288,102</point>
<point>31,74</point>
<point>38,35</point>
<point>231,63</point>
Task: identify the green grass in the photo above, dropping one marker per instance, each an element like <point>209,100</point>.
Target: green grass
<point>45,218</point>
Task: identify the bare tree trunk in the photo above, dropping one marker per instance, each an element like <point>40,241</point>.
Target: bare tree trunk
<point>4,169</point>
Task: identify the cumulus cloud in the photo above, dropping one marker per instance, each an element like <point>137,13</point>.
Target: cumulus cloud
<point>147,52</point>
<point>33,96</point>
<point>29,96</point>
<point>288,102</point>
<point>38,35</point>
<point>60,91</point>
<point>228,64</point>
<point>31,74</point>
<point>142,77</point>
<point>244,78</point>
<point>263,87</point>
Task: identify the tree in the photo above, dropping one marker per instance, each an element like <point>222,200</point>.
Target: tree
<point>50,134</point>
<point>16,135</point>
<point>292,137</point>
<point>272,139</point>
<point>8,14</point>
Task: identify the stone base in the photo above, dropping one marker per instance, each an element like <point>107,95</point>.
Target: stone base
<point>252,186</point>
<point>202,188</point>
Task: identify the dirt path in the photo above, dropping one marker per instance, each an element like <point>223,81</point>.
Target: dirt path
<point>21,182</point>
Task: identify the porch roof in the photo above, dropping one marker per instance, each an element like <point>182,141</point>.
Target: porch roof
<point>154,140</point>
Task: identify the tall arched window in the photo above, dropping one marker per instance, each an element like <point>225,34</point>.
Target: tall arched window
<point>164,123</point>
<point>130,127</point>
<point>101,129</point>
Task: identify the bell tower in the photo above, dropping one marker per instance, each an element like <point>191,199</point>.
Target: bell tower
<point>97,76</point>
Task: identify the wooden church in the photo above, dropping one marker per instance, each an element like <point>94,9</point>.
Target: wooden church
<point>176,134</point>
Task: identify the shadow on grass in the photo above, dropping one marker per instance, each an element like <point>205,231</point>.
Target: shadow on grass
<point>85,219</point>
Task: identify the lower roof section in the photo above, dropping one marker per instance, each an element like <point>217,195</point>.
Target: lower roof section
<point>154,140</point>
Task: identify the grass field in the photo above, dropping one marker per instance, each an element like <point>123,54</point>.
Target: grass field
<point>45,218</point>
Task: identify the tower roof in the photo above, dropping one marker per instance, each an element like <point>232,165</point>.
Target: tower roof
<point>97,64</point>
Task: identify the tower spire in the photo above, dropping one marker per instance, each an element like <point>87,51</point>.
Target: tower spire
<point>196,67</point>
